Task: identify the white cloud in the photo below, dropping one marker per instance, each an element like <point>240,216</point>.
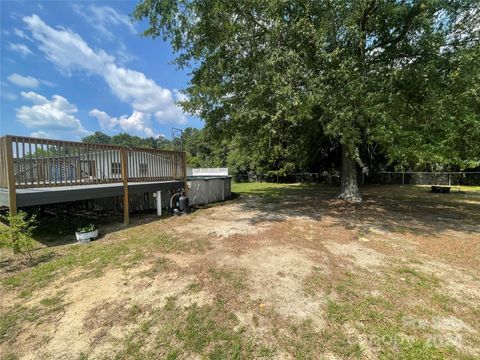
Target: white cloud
<point>44,134</point>
<point>28,81</point>
<point>138,123</point>
<point>144,94</point>
<point>66,49</point>
<point>122,55</point>
<point>50,115</point>
<point>21,34</point>
<point>70,52</point>
<point>102,18</point>
<point>179,96</point>
<point>20,48</point>
<point>48,83</point>
<point>23,81</point>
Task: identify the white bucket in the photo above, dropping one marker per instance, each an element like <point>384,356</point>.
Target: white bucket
<point>84,237</point>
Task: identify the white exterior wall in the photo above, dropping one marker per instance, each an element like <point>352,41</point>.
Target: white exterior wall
<point>209,172</point>
<point>158,165</point>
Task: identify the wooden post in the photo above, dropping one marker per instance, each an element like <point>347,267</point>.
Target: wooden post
<point>12,193</point>
<point>184,165</point>
<point>124,157</point>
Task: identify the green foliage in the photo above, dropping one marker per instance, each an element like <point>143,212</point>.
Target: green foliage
<point>288,83</point>
<point>18,234</point>
<point>97,138</point>
<point>88,228</point>
<point>128,140</point>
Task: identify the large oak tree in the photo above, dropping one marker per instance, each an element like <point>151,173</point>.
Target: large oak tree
<point>402,74</point>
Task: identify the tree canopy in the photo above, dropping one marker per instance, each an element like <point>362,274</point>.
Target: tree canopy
<point>280,76</point>
<point>99,137</point>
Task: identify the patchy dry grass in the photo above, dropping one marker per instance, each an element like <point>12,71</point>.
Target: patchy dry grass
<point>283,271</point>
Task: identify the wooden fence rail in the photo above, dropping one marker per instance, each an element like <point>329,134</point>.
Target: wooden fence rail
<point>39,162</point>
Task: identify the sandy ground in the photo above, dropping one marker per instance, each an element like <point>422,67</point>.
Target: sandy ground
<point>277,245</point>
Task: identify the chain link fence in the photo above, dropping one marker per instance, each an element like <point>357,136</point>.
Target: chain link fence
<point>424,178</point>
<point>380,178</point>
<point>326,177</point>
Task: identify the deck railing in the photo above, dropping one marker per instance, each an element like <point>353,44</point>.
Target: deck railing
<point>3,164</point>
<point>28,162</point>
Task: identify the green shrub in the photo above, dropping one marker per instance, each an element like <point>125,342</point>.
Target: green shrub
<point>88,228</point>
<point>18,234</point>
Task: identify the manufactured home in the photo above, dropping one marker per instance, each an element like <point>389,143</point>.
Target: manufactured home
<point>36,171</point>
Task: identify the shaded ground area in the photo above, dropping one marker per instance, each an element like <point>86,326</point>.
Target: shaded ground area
<point>282,271</point>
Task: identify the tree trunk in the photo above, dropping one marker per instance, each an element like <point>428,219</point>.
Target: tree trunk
<point>349,186</point>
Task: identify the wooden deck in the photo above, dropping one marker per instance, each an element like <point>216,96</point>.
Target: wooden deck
<point>37,171</point>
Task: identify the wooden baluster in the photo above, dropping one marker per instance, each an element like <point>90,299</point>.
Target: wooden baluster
<point>49,165</point>
<point>24,164</point>
<point>124,171</point>
<point>88,171</point>
<point>30,161</point>
<point>165,164</point>
<point>78,165</point>
<point>65,174</point>
<point>134,168</point>
<point>53,151</point>
<point>96,163</point>
<point>155,161</point>
<point>44,161</point>
<point>103,178</point>
<point>37,165</point>
<point>71,166</point>
<point>146,174</point>
<point>61,164</point>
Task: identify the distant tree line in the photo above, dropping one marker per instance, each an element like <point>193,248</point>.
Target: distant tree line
<point>315,153</point>
<point>99,137</point>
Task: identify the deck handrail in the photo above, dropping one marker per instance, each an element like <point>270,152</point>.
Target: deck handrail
<point>39,162</point>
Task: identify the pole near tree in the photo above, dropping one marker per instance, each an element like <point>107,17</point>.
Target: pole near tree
<point>177,142</point>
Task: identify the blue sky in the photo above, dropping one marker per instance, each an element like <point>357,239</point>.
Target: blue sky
<point>71,68</point>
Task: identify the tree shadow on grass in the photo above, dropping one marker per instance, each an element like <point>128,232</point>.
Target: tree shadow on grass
<point>14,264</point>
<point>390,208</point>
<point>60,230</point>
<point>401,209</point>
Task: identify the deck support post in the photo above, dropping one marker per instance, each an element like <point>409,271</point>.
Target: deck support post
<point>126,217</point>
<point>12,193</point>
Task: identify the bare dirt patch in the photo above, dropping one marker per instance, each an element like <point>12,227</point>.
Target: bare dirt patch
<point>231,219</point>
<point>296,275</point>
<point>276,275</point>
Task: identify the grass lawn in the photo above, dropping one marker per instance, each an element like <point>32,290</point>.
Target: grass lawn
<point>281,271</point>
